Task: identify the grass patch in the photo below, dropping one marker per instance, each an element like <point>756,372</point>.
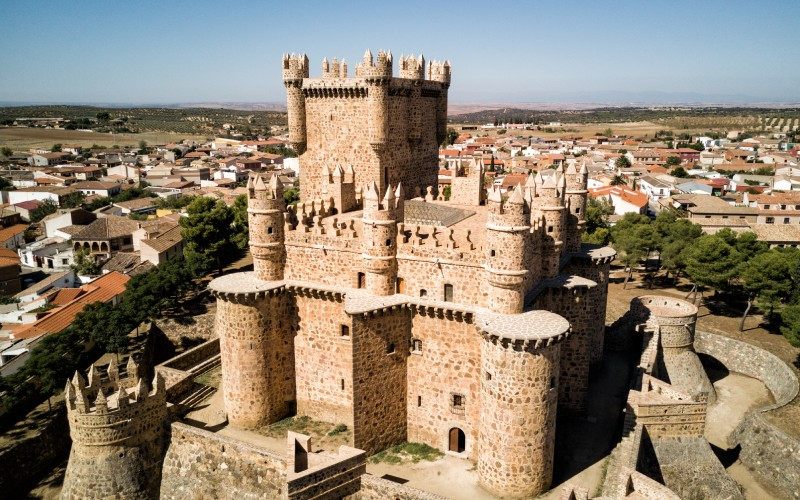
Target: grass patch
<point>407,453</point>
<point>211,378</point>
<point>339,429</point>
<point>603,473</point>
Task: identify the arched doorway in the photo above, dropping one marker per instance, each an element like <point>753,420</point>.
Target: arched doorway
<point>457,440</point>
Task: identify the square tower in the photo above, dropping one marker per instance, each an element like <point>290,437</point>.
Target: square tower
<point>388,129</point>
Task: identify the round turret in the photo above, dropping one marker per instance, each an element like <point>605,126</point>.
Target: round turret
<point>118,436</point>
<point>519,393</point>
<point>265,207</point>
<point>295,69</point>
<point>379,240</point>
<point>507,237</point>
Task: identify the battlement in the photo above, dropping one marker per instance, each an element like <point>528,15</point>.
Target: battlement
<point>334,69</point>
<point>412,67</point>
<point>380,69</point>
<point>114,412</point>
<point>260,191</point>
<point>439,72</point>
<point>295,67</point>
<point>388,207</point>
<point>424,241</point>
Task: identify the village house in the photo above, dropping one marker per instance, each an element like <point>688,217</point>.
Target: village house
<point>622,198</point>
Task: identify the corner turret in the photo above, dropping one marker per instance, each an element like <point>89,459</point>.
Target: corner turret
<point>295,69</point>
<point>117,444</point>
<point>265,207</point>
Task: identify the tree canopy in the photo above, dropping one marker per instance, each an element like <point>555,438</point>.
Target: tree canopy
<point>207,232</point>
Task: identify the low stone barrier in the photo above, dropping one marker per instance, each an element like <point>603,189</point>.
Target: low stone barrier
<point>764,447</point>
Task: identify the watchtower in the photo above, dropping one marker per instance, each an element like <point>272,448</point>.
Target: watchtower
<point>295,68</point>
<point>118,435</point>
<point>576,183</point>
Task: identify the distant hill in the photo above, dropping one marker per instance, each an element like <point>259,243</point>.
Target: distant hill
<point>611,114</point>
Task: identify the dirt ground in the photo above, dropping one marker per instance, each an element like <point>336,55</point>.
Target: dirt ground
<point>22,138</point>
<point>631,129</point>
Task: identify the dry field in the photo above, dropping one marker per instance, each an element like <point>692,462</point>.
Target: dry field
<point>23,139</point>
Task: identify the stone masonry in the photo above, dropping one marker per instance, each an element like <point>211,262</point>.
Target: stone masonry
<point>434,329</point>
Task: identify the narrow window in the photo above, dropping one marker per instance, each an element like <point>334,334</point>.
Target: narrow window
<point>552,382</point>
<point>416,346</point>
<point>269,230</point>
<point>360,280</point>
<point>549,229</point>
<point>342,384</point>
<point>386,175</point>
<point>388,243</point>
<point>488,376</point>
<point>401,285</point>
<point>448,292</point>
<point>390,349</point>
<point>491,253</point>
<point>345,331</point>
<point>577,210</point>
<point>423,293</point>
<point>419,401</point>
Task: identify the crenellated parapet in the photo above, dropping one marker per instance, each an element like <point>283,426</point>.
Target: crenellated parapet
<point>412,67</point>
<point>376,70</point>
<point>117,427</point>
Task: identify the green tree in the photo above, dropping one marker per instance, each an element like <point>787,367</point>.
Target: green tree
<point>103,116</point>
<point>450,137</point>
<point>56,148</point>
<point>673,161</point>
<point>207,231</point>
<point>768,279</point>
<point>711,262</point>
<point>679,172</point>
<point>632,238</point>
<point>608,132</point>
<point>618,180</point>
<point>622,162</point>
<point>291,196</point>
<point>446,192</point>
<point>6,151</point>
<point>44,209</point>
<point>73,200</point>
<point>106,324</point>
<point>83,263</point>
<point>241,234</point>
<point>790,324</point>
<point>597,212</point>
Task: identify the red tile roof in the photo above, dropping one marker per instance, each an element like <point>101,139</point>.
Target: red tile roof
<point>635,198</point>
<point>9,232</point>
<point>103,289</point>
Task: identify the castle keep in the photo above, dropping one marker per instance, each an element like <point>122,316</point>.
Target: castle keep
<point>384,128</point>
<point>465,324</point>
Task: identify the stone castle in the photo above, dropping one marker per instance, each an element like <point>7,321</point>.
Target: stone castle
<point>464,323</point>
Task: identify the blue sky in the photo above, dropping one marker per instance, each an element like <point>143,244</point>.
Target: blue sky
<point>557,51</point>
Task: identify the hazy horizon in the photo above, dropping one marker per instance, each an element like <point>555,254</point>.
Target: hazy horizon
<point>628,53</point>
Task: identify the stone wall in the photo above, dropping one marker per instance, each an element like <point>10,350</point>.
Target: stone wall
<point>429,275</point>
<point>380,352</point>
<point>337,128</point>
<point>576,350</point>
<point>324,360</point>
<point>445,361</point>
<point>201,464</point>
<point>765,447</point>
<point>375,488</point>
<point>27,458</point>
